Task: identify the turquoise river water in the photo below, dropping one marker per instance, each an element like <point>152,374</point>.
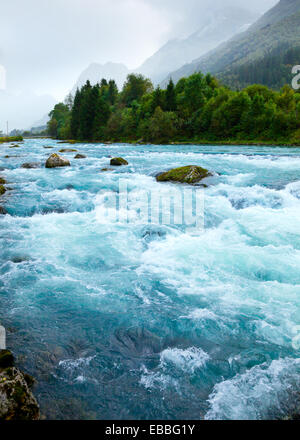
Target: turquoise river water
<point>124,320</point>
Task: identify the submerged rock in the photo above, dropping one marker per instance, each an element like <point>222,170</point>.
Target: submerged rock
<point>118,161</point>
<point>30,165</point>
<point>20,259</point>
<point>80,156</point>
<point>2,190</point>
<point>190,174</point>
<point>67,150</point>
<point>69,187</point>
<point>2,211</point>
<point>47,147</point>
<point>55,161</point>
<point>15,146</point>
<point>107,169</point>
<point>2,181</point>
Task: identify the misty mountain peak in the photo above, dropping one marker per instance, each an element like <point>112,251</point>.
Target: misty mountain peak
<point>96,71</point>
<point>214,28</point>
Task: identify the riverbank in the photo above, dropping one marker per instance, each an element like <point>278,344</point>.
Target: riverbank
<point>11,139</point>
<point>196,142</point>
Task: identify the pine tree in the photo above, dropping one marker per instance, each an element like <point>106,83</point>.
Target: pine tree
<point>75,116</point>
<point>171,97</point>
<point>102,114</point>
<point>158,99</point>
<point>112,93</point>
<point>87,111</point>
<point>103,83</point>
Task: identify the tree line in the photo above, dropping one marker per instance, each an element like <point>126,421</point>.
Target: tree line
<point>196,109</point>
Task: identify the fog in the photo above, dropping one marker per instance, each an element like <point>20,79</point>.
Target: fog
<point>45,44</point>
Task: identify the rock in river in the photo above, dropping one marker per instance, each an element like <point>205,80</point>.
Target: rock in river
<point>30,165</point>
<point>68,150</point>
<point>118,161</point>
<point>190,174</point>
<point>55,161</point>
<point>2,190</point>
<point>16,399</point>
<point>80,156</point>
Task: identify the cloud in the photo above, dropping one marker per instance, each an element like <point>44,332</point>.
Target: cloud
<point>45,44</point>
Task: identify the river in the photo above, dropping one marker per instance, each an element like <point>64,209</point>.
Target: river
<point>124,320</point>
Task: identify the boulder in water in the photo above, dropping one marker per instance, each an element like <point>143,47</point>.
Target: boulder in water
<point>30,165</point>
<point>2,181</point>
<point>2,190</point>
<point>16,400</point>
<point>118,161</point>
<point>80,156</point>
<point>190,174</point>
<point>55,161</point>
<point>67,150</point>
<point>2,211</point>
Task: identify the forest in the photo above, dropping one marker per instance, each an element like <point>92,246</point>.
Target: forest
<point>273,70</point>
<point>197,109</point>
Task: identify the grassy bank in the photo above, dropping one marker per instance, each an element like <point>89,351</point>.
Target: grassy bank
<point>11,139</point>
<point>234,142</point>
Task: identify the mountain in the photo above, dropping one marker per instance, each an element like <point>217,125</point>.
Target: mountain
<point>42,122</point>
<point>214,28</point>
<point>95,72</point>
<point>22,109</point>
<point>273,39</point>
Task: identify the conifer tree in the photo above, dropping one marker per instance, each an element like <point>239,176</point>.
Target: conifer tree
<point>112,93</point>
<point>170,97</point>
<point>75,115</point>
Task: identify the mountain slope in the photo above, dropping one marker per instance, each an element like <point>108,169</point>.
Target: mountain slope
<point>214,28</point>
<point>279,27</point>
<point>95,72</point>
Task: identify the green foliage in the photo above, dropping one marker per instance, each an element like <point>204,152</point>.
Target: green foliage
<point>134,88</point>
<point>171,104</point>
<point>10,139</point>
<point>59,121</point>
<point>162,127</point>
<point>198,108</point>
<point>273,69</point>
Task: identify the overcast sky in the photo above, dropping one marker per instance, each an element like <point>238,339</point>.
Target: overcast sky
<point>45,44</point>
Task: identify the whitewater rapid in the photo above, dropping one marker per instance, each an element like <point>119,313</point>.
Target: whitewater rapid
<point>125,320</point>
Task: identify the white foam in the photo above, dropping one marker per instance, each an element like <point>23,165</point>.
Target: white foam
<point>256,393</point>
<point>187,360</point>
<point>73,364</point>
